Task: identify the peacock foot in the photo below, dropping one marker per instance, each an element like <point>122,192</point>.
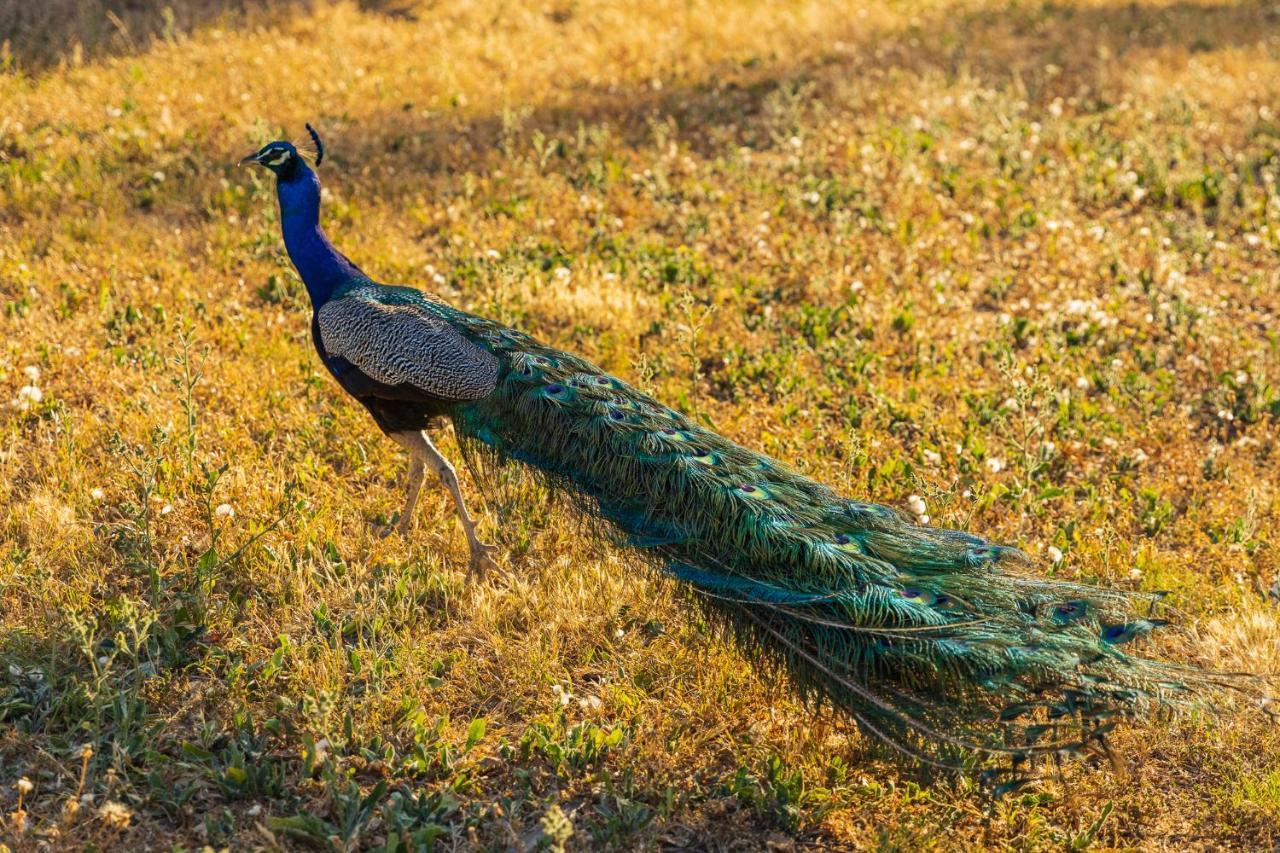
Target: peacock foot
<point>482,555</point>
<point>401,526</point>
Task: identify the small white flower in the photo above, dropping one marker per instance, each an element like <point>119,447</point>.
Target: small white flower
<point>915,503</point>
<point>492,254</point>
<point>1242,378</point>
<point>157,176</point>
<point>24,786</point>
<point>1135,574</point>
<point>1010,405</point>
<point>72,352</point>
<point>97,494</point>
<point>28,395</point>
<point>812,197</point>
<point>31,372</point>
<point>609,276</point>
<point>224,511</point>
<point>619,633</point>
<point>1055,554</point>
<point>438,279</point>
<point>795,142</point>
<point>166,509</point>
<point>932,457</point>
<point>562,273</point>
<point>994,465</point>
<point>115,814</point>
<point>1140,456</point>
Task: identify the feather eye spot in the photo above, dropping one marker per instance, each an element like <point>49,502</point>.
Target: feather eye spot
<point>1070,611</point>
<point>947,604</point>
<point>1114,635</point>
<point>753,491</point>
<point>916,595</point>
<point>845,542</point>
<point>615,415</point>
<point>705,458</point>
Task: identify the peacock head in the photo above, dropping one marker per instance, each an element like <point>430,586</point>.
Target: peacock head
<point>283,158</point>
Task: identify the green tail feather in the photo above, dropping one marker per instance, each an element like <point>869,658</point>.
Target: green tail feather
<point>919,634</point>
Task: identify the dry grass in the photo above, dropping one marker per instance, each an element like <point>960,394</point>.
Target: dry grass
<point>1018,259</point>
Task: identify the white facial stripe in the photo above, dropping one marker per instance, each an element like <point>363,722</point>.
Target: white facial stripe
<point>278,159</point>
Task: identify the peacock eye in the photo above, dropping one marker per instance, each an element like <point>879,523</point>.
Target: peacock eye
<point>920,596</point>
<point>1070,611</point>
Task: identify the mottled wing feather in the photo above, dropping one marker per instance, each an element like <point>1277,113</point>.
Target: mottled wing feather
<point>398,344</point>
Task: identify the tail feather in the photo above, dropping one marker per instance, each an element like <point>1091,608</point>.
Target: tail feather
<point>932,640</point>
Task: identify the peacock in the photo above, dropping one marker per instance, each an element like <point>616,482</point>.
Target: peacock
<point>933,641</point>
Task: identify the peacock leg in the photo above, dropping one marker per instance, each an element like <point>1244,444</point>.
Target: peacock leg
<point>417,474</point>
<point>426,453</point>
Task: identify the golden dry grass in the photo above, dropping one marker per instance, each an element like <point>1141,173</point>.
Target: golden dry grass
<point>1019,259</point>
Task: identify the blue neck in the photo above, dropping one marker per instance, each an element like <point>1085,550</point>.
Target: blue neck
<point>322,267</point>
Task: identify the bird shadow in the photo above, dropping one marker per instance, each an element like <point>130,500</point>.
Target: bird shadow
<point>43,35</point>
<point>1039,53</point>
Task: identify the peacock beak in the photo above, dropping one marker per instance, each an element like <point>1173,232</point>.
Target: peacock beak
<point>255,157</point>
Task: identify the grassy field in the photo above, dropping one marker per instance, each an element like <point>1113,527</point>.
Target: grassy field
<point>1019,259</point>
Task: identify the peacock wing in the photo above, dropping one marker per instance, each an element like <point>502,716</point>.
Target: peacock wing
<point>406,344</point>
